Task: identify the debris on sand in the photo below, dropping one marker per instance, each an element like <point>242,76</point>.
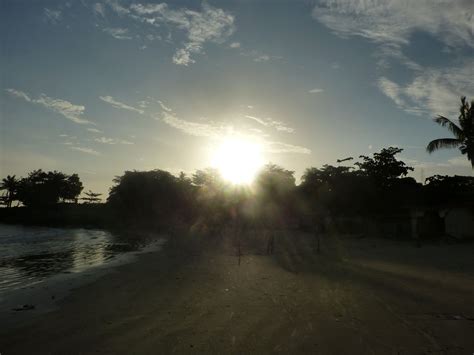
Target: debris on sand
<point>25,307</point>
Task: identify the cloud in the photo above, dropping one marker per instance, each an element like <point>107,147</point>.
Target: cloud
<point>116,7</point>
<point>393,21</point>
<point>118,33</point>
<point>262,58</point>
<point>279,147</point>
<point>164,107</point>
<point>120,105</point>
<point>52,16</point>
<point>65,108</point>
<point>194,128</point>
<point>98,9</point>
<point>258,56</point>
<point>315,91</point>
<point>268,122</point>
<point>94,130</point>
<point>209,24</point>
<point>217,131</point>
<point>19,94</point>
<point>85,150</point>
<point>433,91</point>
<point>235,45</point>
<point>105,140</point>
<point>391,25</point>
<point>143,104</point>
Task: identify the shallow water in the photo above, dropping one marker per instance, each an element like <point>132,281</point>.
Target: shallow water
<point>32,255</point>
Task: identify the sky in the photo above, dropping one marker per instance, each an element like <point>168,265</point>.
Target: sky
<point>97,88</point>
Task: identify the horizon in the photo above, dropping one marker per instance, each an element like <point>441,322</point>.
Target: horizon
<point>97,88</point>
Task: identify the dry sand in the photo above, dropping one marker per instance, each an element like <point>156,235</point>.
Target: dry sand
<point>357,297</point>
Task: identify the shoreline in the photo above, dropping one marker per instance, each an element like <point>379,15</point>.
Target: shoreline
<point>45,295</point>
<point>294,302</point>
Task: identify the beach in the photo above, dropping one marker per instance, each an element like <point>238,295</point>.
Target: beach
<point>358,296</point>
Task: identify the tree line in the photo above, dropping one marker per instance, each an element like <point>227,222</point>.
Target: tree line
<point>375,183</point>
<point>42,189</point>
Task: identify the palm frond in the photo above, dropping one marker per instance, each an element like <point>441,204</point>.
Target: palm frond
<point>442,143</point>
<point>453,127</point>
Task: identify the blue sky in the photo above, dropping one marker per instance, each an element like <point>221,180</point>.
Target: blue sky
<point>100,87</point>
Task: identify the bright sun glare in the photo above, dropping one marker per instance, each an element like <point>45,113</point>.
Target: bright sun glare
<point>238,160</point>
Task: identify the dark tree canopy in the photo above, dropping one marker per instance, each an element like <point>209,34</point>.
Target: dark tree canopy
<point>10,185</point>
<point>42,188</point>
<point>156,195</point>
<point>383,167</point>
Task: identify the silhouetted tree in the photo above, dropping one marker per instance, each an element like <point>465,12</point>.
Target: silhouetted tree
<point>449,189</point>
<point>156,196</point>
<point>10,184</point>
<point>384,167</point>
<point>91,197</point>
<point>48,188</point>
<point>463,133</point>
<point>71,188</point>
<point>336,189</point>
<point>274,188</point>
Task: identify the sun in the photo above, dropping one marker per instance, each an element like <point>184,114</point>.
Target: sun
<point>238,160</point>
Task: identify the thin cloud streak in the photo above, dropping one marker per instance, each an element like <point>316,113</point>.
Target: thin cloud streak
<point>120,105</point>
<point>85,150</point>
<point>218,131</point>
<point>65,108</point>
<point>268,122</point>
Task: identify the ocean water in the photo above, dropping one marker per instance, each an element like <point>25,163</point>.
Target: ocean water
<point>30,256</point>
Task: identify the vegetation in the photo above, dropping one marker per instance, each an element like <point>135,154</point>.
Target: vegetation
<point>91,197</point>
<point>10,184</point>
<point>463,133</point>
<point>42,188</point>
<point>376,184</point>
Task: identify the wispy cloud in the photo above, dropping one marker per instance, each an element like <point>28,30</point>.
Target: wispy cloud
<point>262,58</point>
<point>280,147</point>
<point>234,45</point>
<point>433,91</point>
<point>117,104</point>
<point>118,33</point>
<point>52,16</point>
<point>164,107</point>
<point>65,108</point>
<point>209,24</point>
<point>258,56</point>
<point>217,131</point>
<point>19,94</point>
<point>268,122</point>
<point>393,21</point>
<point>391,24</point>
<point>85,150</point>
<point>98,9</point>
<point>105,140</point>
<point>194,128</point>
<point>315,91</point>
<point>94,130</point>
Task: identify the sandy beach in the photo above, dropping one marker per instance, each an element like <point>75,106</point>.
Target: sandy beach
<point>359,296</point>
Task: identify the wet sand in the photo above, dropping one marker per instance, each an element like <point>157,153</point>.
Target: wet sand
<point>356,297</point>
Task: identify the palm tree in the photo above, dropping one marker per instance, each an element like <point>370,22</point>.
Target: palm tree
<point>463,133</point>
<point>10,183</point>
